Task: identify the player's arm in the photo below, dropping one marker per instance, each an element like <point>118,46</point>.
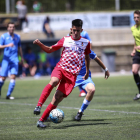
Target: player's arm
<point>21,54</point>
<point>102,66</point>
<point>45,48</point>
<point>5,46</point>
<point>87,63</point>
<point>134,50</point>
<point>87,60</point>
<point>2,45</point>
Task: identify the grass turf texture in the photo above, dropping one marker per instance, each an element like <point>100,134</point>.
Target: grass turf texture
<point>112,114</point>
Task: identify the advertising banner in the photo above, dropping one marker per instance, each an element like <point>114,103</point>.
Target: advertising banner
<point>91,20</point>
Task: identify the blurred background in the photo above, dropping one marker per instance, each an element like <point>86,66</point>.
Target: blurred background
<point>107,22</point>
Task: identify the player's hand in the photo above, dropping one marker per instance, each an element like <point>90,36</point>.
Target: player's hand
<point>107,74</point>
<point>37,42</point>
<point>10,45</point>
<point>133,53</point>
<point>86,76</point>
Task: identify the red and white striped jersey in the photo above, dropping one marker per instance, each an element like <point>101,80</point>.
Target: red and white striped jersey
<point>73,53</point>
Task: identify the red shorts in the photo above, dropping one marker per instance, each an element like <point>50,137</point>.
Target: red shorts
<point>67,80</point>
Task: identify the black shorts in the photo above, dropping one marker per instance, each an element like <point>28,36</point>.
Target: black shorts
<point>136,58</point>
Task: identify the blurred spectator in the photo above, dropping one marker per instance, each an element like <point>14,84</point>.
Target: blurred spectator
<point>42,58</point>
<point>68,6</point>
<point>22,11</point>
<point>46,28</point>
<point>52,61</point>
<point>30,58</point>
<point>37,7</point>
<point>22,68</point>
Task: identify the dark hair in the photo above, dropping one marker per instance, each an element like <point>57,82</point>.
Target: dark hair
<point>77,22</point>
<point>48,19</point>
<point>10,23</point>
<point>137,12</point>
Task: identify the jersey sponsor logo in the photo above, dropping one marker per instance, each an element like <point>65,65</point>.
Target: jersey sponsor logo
<point>77,49</point>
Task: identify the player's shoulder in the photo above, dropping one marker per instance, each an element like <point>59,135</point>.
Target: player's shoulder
<point>84,32</point>
<point>84,39</point>
<point>4,35</point>
<point>133,28</point>
<point>67,38</point>
<point>17,35</point>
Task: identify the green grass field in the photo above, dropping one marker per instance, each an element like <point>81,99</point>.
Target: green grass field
<point>112,114</point>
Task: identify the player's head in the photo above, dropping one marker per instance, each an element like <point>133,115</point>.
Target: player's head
<point>11,27</point>
<point>76,28</point>
<point>137,16</point>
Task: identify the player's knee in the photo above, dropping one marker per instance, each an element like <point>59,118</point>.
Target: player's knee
<point>54,82</point>
<point>134,71</point>
<point>58,96</point>
<point>91,90</point>
<point>3,78</point>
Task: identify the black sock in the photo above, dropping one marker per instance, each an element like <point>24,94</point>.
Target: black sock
<point>137,80</point>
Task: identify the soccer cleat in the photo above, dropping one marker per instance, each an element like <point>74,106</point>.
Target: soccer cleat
<point>82,93</point>
<point>37,110</point>
<point>78,116</point>
<point>137,96</point>
<point>40,124</point>
<point>9,97</point>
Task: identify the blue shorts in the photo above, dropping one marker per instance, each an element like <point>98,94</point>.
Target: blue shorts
<point>83,83</point>
<point>8,66</point>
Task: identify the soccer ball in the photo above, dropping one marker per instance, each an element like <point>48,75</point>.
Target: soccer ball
<point>56,115</point>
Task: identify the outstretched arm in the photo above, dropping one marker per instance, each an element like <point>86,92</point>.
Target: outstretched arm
<point>47,49</point>
<point>103,67</point>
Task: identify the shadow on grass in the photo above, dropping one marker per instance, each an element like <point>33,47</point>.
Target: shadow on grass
<point>77,124</point>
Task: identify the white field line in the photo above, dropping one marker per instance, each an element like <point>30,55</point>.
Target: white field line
<point>110,111</point>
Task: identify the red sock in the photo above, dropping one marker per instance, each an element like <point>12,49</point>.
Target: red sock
<point>45,93</point>
<point>46,113</point>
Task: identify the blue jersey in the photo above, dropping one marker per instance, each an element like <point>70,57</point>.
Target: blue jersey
<point>10,53</point>
<point>84,34</point>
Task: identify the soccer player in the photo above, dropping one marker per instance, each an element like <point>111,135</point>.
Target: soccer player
<point>75,49</point>
<point>88,85</point>
<point>11,44</point>
<point>136,52</point>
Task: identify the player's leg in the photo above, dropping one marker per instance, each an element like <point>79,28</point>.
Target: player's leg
<point>45,93</point>
<point>4,73</point>
<point>88,85</point>
<point>55,78</point>
<point>57,98</point>
<point>135,69</point>
<point>13,71</point>
<point>64,89</point>
<point>2,79</point>
<point>82,92</point>
<point>11,87</point>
